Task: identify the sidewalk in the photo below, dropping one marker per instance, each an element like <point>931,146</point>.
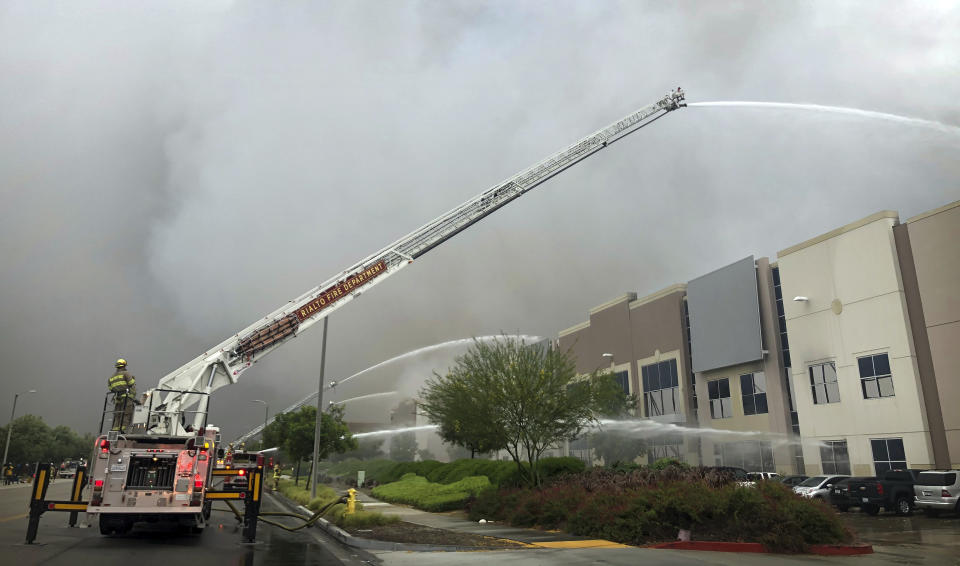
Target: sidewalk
<point>457,521</point>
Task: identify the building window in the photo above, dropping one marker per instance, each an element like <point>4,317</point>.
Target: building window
<point>693,376</point>
<point>753,388</point>
<point>623,379</point>
<point>721,407</point>
<point>823,383</point>
<point>666,446</point>
<point>751,455</point>
<point>875,378</point>
<point>888,454</point>
<point>834,457</point>
<point>781,318</point>
<point>661,388</point>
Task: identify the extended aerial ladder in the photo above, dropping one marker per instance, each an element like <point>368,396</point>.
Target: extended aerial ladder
<point>191,384</point>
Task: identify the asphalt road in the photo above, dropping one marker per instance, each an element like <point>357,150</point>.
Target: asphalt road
<point>219,544</point>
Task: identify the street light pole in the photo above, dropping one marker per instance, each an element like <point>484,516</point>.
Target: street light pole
<point>316,432</point>
<point>266,413</point>
<point>6,447</point>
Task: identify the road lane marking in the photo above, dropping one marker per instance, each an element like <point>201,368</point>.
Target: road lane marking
<point>13,517</point>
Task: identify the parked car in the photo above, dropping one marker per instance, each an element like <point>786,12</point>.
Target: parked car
<point>937,491</point>
<point>891,492</point>
<point>793,481</point>
<point>762,476</point>
<point>818,487</point>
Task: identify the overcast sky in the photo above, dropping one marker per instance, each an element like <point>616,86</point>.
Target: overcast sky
<point>171,171</point>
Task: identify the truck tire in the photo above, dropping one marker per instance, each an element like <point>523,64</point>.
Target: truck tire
<point>870,509</point>
<point>112,525</point>
<point>843,508</point>
<point>902,506</point>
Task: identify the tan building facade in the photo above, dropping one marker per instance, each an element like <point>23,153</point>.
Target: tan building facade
<point>844,352</point>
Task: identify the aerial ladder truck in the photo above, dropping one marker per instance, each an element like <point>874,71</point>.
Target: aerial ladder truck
<point>159,468</point>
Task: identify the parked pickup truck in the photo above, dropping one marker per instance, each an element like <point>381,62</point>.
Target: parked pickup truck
<point>893,492</point>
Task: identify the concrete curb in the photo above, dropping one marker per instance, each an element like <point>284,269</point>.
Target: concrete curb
<point>346,538</point>
<point>756,547</point>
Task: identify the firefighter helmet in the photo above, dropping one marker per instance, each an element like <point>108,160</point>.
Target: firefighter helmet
<point>121,363</point>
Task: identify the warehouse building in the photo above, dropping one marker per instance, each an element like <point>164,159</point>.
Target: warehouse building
<point>840,357</point>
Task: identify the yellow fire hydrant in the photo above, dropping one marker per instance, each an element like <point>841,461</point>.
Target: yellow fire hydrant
<point>351,501</point>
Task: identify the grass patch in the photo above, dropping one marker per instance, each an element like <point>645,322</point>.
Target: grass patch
<point>421,493</point>
<point>337,513</point>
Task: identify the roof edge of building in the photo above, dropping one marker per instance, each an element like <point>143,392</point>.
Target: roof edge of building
<point>573,329</point>
<point>883,214</point>
<point>675,288</point>
<point>631,296</point>
<point>933,212</point>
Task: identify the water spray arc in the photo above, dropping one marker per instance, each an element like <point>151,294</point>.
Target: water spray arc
<point>858,112</point>
<point>412,353</point>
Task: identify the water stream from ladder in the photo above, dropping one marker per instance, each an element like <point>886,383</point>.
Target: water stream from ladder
<point>858,112</point>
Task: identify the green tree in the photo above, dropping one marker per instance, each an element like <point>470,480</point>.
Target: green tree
<point>451,403</point>
<point>33,441</point>
<point>518,397</point>
<point>613,403</point>
<point>299,431</point>
<point>403,447</point>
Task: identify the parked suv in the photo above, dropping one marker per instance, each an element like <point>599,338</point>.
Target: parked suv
<point>936,491</point>
<point>892,492</point>
<point>818,487</point>
<point>793,481</point>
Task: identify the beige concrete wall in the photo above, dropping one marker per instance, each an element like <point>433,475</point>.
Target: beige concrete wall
<point>856,307</point>
<point>935,245</point>
<point>658,333</point>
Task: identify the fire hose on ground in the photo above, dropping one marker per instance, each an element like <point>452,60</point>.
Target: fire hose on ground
<point>308,521</point>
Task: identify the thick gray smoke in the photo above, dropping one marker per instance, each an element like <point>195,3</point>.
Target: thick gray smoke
<point>172,171</point>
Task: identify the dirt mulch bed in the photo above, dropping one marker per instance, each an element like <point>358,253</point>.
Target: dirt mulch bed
<point>420,534</point>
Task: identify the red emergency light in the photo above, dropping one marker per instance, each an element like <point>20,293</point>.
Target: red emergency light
<point>104,445</point>
<point>241,472</point>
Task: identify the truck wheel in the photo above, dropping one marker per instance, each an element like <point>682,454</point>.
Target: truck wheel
<point>843,508</point>
<point>871,509</point>
<point>903,506</point>
<point>107,525</point>
<point>207,509</point>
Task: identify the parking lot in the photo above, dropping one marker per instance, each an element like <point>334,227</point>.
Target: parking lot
<point>916,539</point>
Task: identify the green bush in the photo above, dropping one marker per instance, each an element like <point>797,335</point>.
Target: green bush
<point>400,469</point>
<point>500,473</point>
<point>664,463</point>
<point>653,506</point>
<point>556,467</point>
<point>421,493</point>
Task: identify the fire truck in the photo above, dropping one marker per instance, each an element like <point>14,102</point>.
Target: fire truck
<point>158,467</point>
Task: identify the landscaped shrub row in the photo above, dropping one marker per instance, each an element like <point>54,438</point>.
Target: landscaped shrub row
<point>654,509</point>
<point>500,473</point>
<point>419,492</point>
<point>623,479</point>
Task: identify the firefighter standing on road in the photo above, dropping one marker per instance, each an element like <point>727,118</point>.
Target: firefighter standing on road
<point>123,386</point>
